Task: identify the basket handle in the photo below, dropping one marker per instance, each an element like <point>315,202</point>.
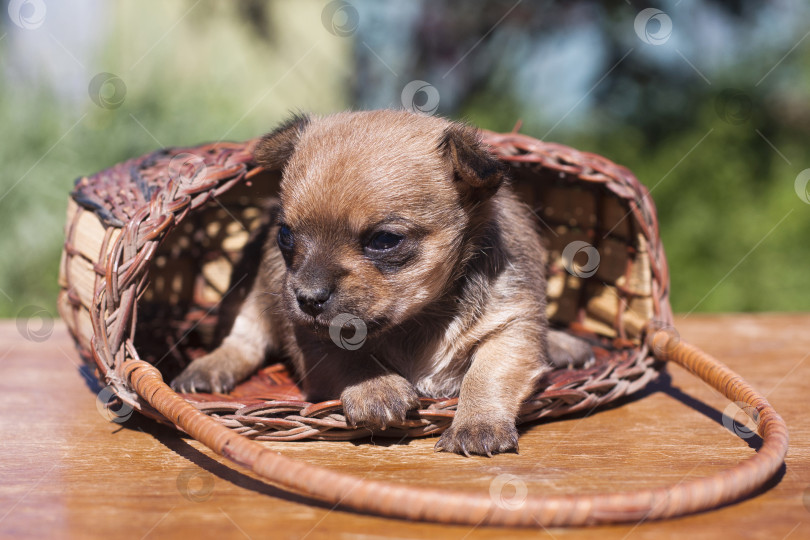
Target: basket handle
<point>468,508</point>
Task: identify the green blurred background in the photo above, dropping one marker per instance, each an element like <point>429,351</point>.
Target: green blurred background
<point>706,101</point>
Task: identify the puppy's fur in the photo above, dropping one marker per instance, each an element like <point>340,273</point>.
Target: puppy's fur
<point>405,222</point>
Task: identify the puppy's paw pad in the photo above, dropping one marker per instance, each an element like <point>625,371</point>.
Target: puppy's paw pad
<point>379,403</point>
<point>480,438</point>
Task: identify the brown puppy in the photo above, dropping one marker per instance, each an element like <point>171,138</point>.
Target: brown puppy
<point>400,226</point>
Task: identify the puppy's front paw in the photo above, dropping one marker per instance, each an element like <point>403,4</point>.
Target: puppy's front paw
<point>565,350</point>
<point>379,402</point>
<point>214,372</point>
<point>481,436</point>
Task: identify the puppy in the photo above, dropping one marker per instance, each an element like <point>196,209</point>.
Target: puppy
<point>401,228</point>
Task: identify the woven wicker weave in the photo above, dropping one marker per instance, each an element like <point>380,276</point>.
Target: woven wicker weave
<point>158,254</point>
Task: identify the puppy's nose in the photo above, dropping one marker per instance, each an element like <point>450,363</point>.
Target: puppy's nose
<point>312,300</point>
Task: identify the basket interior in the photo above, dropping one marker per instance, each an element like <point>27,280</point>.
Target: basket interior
<point>200,274</point>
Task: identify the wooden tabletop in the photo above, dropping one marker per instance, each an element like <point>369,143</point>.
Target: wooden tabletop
<point>66,471</point>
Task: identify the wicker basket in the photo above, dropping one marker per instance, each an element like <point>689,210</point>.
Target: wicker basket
<point>159,252</point>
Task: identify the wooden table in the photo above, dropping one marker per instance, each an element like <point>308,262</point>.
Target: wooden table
<point>67,472</point>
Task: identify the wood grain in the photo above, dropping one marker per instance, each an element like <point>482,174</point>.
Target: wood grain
<point>68,472</point>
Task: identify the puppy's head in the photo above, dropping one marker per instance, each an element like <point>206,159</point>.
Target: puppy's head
<point>376,211</point>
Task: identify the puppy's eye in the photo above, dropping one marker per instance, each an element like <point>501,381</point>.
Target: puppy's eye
<point>383,241</point>
<point>285,238</point>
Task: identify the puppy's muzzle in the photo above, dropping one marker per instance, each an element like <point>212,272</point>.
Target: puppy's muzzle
<point>312,301</point>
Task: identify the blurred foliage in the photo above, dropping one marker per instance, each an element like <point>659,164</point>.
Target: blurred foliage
<point>721,165</point>
<point>720,149</point>
<point>191,75</point>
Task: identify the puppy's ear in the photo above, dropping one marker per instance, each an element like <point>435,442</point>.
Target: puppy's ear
<point>478,171</point>
<point>275,148</point>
